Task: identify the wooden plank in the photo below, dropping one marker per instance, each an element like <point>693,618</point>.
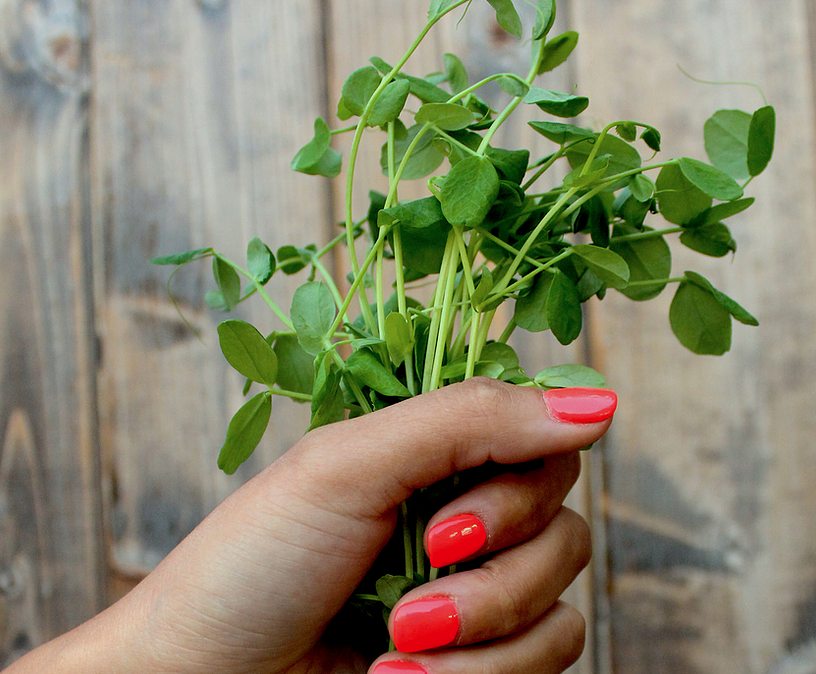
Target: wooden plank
<point>51,563</point>
<point>198,109</point>
<point>711,464</point>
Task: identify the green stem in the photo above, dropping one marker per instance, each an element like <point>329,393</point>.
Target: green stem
<point>655,282</point>
<point>407,540</point>
<point>438,308</point>
<point>508,330</point>
<point>358,280</point>
<point>544,168</point>
<point>294,395</point>
<point>445,318</point>
<point>639,236</point>
<point>338,300</point>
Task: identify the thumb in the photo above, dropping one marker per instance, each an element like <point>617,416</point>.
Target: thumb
<point>371,464</point>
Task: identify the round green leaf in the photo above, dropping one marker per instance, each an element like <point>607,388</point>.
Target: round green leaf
<point>531,309</point>
<point>564,376</point>
<point>507,16</point>
<point>245,432</point>
<point>679,200</point>
<point>564,309</point>
<point>726,142</point>
<point>358,88</point>
<point>366,367</point>
<point>557,103</point>
<point>295,366</point>
<point>228,282</point>
<point>562,133</point>
<point>699,321</point>
<point>469,191</point>
<point>712,240</point>
<point>389,103</point>
<point>761,135</point>
<point>446,116</point>
<point>606,264</point>
<point>182,258</point>
<point>313,311</point>
<point>647,259</point>
<point>558,50</point>
<point>247,351</point>
<point>714,182</point>
<point>260,260</point>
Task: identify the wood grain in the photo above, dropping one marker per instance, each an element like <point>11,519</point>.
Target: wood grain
<point>199,108</point>
<point>51,571</point>
<point>710,467</point>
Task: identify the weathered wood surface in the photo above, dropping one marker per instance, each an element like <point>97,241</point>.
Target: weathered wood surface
<point>51,567</point>
<point>702,499</point>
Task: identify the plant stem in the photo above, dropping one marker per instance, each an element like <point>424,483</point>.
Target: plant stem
<point>511,326</point>
<point>294,395</point>
<point>639,236</point>
<point>407,540</point>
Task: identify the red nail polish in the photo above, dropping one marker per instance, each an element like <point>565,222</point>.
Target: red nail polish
<point>424,624</point>
<point>398,667</point>
<point>455,539</point>
<point>581,405</point>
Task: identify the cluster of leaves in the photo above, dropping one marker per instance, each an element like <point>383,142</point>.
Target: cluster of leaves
<point>487,234</point>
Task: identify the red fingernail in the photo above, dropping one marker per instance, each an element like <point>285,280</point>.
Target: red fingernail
<point>581,405</point>
<point>398,667</point>
<point>455,539</point>
<point>424,624</point>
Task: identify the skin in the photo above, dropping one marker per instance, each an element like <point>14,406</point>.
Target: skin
<point>254,587</point>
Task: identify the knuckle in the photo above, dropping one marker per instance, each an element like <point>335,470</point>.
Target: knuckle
<point>484,395</point>
<point>572,634</point>
<point>578,537</point>
<point>511,606</point>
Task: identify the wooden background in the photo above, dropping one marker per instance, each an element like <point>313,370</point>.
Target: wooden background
<point>135,128</point>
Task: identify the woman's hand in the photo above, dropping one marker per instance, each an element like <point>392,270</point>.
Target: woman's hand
<point>253,589</point>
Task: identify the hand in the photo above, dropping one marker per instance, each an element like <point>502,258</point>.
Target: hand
<point>253,589</point>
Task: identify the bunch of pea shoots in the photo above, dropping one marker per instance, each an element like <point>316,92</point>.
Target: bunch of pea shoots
<point>484,235</point>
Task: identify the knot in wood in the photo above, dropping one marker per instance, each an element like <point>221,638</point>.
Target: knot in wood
<point>46,39</point>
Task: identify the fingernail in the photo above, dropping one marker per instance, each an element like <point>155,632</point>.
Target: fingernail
<point>424,624</point>
<point>581,405</point>
<point>398,667</point>
<point>455,539</point>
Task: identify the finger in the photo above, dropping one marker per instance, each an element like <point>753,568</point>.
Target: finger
<point>501,512</point>
<point>510,591</point>
<point>379,459</point>
<point>549,646</point>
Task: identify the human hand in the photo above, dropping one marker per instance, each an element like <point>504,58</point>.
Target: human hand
<point>254,588</point>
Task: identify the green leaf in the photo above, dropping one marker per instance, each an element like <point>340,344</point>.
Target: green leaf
<point>651,137</point>
<point>761,134</point>
<point>398,337</point>
<point>622,157</point>
<point>511,164</point>
<point>726,142</point>
<point>483,289</point>
<point>507,16</point>
<point>699,321</point>
<point>228,282</point>
<point>503,354</point>
<point>679,200</point>
<point>445,116</point>
<point>513,86</point>
<point>417,214</point>
<point>245,432</point>
<point>424,90</point>
<point>561,133</point>
<point>714,182</point>
<point>248,352</point>
<point>642,188</point>
<point>565,376</point>
<point>545,18</point>
<point>647,259</point>
<point>291,259</point>
<point>439,7</point>
<point>366,367</point>
<point>317,157</point>
<point>557,103</point>
<point>627,131</point>
<point>713,240</point>
<point>456,73</point>
<point>564,309</point>
<point>389,103</point>
<point>423,249</point>
<point>295,366</point>
<point>558,50</point>
<point>726,302</point>
<point>215,300</point>
<point>313,311</point>
<point>580,177</point>
<point>531,309</point>
<point>359,87</point>
<point>469,191</point>
<point>182,258</point>
<point>424,160</point>
<point>720,212</point>
<point>327,396</point>
<point>260,261</point>
<point>390,589</point>
<point>607,265</point>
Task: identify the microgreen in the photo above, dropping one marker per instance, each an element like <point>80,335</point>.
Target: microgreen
<point>486,234</point>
